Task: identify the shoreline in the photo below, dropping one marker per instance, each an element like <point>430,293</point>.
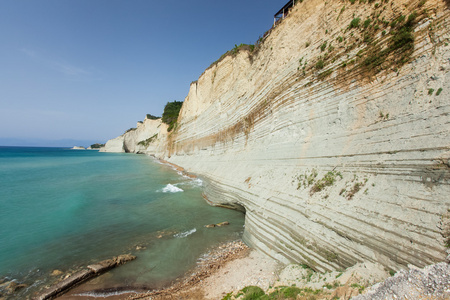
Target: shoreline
<point>230,267</point>
<point>207,264</point>
<point>188,285</point>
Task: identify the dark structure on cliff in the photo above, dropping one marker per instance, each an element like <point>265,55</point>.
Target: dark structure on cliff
<point>283,12</point>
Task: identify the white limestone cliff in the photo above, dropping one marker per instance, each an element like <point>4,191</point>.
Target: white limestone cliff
<point>334,165</point>
<point>141,139</point>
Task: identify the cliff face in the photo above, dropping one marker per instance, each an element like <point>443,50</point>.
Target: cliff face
<point>148,136</point>
<point>338,153</point>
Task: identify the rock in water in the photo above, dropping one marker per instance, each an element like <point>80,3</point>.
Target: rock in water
<point>84,275</point>
<point>223,224</point>
<point>56,273</point>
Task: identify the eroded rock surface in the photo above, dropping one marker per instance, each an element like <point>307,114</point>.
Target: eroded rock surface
<point>335,158</point>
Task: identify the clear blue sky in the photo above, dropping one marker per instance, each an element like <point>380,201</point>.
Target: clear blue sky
<point>90,69</point>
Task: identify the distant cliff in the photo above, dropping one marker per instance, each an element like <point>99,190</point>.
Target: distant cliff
<point>148,136</point>
<point>333,134</point>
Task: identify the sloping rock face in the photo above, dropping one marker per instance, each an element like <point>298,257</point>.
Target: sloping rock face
<point>339,155</point>
<point>148,135</point>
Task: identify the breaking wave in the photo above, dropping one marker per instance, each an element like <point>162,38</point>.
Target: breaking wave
<point>170,188</point>
<point>185,234</point>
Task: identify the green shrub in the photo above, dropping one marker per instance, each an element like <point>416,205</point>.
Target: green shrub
<point>438,91</point>
<point>147,142</point>
<point>320,64</point>
<point>253,293</point>
<point>354,23</point>
<point>291,292</point>
<point>325,74</point>
<point>323,46</point>
<point>131,129</point>
<point>367,23</point>
<point>171,112</point>
<point>97,146</point>
<point>237,48</point>
<point>327,180</point>
<point>401,43</point>
<point>305,181</point>
<point>152,117</point>
<point>285,292</point>
<point>430,91</point>
<point>227,296</point>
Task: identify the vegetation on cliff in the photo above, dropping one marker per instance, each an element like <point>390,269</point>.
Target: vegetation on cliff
<point>152,117</point>
<point>148,141</point>
<point>97,146</point>
<point>171,112</point>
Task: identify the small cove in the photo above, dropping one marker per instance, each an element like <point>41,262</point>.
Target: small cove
<point>63,209</point>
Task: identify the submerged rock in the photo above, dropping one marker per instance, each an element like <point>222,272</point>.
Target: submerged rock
<point>56,273</point>
<point>223,224</point>
<point>218,224</point>
<point>10,287</point>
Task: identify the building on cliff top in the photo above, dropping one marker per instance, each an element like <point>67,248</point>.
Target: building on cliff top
<point>283,12</point>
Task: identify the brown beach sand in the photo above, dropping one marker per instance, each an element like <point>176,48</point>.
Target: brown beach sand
<point>227,268</point>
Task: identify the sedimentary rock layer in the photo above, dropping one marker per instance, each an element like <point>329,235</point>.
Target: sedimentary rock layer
<point>338,153</point>
<point>258,130</point>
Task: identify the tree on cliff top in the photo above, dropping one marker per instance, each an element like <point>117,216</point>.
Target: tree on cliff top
<point>152,117</point>
<point>171,112</point>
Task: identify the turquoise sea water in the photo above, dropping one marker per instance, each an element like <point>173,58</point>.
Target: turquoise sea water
<point>62,209</point>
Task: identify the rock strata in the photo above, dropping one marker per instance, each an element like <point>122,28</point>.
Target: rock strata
<point>335,171</point>
<point>335,159</point>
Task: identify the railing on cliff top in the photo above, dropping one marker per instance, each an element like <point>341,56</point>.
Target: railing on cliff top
<point>283,12</point>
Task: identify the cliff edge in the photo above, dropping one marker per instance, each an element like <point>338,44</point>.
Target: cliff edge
<point>333,134</point>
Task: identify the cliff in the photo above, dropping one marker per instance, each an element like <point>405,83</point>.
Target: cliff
<point>333,134</point>
<point>148,136</point>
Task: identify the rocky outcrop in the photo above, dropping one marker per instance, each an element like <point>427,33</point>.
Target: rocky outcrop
<point>337,149</point>
<point>83,275</point>
<point>431,282</point>
<point>145,137</point>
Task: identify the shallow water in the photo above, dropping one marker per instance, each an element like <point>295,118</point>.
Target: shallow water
<point>62,209</point>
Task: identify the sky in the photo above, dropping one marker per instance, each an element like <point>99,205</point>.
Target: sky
<point>87,70</point>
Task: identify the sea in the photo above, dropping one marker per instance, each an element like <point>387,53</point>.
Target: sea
<point>62,209</point>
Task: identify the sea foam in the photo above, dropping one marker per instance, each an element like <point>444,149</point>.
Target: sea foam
<point>170,188</point>
<point>105,294</point>
<point>185,234</point>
